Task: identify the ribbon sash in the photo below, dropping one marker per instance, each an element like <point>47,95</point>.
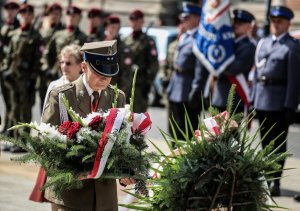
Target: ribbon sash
<point>113,124</point>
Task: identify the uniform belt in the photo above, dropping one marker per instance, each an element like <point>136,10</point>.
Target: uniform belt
<point>269,81</point>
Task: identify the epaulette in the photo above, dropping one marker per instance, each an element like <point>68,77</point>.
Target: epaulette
<point>64,87</point>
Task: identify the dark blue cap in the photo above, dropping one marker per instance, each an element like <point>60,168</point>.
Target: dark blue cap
<point>243,15</point>
<point>189,8</point>
<point>102,57</point>
<point>281,11</point>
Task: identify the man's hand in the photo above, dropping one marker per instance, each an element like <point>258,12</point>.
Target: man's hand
<point>127,181</point>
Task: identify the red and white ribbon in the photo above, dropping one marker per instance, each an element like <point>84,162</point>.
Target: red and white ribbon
<point>113,124</point>
<point>141,123</point>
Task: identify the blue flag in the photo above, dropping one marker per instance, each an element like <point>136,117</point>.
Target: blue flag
<point>214,42</point>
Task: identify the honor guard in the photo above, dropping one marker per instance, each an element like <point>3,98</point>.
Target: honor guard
<point>277,83</point>
<point>139,51</point>
<point>11,23</point>
<point>181,94</point>
<point>244,51</point>
<point>96,25</point>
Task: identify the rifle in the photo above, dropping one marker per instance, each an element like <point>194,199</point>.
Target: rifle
<point>267,19</point>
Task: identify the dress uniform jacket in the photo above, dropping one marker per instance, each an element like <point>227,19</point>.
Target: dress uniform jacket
<point>277,82</point>
<point>244,51</point>
<point>99,193</point>
<point>185,64</point>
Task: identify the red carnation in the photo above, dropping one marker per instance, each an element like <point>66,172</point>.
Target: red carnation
<point>95,123</point>
<point>64,127</point>
<point>75,127</point>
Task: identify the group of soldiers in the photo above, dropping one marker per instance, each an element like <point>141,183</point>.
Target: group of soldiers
<point>31,44</point>
<point>270,63</point>
<point>29,60</point>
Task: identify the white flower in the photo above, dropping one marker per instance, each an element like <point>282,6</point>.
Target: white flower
<point>85,131</point>
<point>51,132</point>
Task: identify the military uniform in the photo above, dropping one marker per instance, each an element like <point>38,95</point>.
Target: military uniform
<point>21,67</point>
<point>244,51</point>
<point>47,58</point>
<point>96,33</point>
<point>276,87</point>
<point>95,195</point>
<point>140,50</point>
<point>4,43</point>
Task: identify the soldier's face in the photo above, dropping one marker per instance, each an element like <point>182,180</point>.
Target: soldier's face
<point>95,22</point>
<point>279,25</point>
<point>10,14</point>
<point>96,82</point>
<point>69,67</point>
<point>241,28</point>
<point>190,21</point>
<point>72,20</point>
<point>112,30</point>
<point>54,16</point>
<point>26,17</point>
<point>136,24</point>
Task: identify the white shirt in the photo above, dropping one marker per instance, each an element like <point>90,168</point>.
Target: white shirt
<point>89,89</point>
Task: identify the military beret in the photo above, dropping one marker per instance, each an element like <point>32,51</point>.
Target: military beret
<point>54,6</point>
<point>136,14</point>
<point>71,10</point>
<point>281,11</point>
<point>112,19</point>
<point>102,57</point>
<point>26,8</point>
<point>95,12</point>
<point>189,8</point>
<point>11,5</point>
<point>243,16</point>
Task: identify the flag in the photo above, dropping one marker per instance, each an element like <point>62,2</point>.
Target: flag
<point>214,41</point>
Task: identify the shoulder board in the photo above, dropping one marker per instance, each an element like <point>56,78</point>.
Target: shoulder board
<point>64,87</point>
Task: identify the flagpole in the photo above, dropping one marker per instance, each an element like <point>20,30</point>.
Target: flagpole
<point>267,19</point>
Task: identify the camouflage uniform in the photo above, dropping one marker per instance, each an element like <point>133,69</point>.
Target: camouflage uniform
<point>43,80</point>
<point>96,35</point>
<point>139,50</point>
<point>59,40</point>
<point>20,69</point>
<point>4,42</point>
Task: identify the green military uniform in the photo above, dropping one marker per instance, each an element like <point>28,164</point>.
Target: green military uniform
<point>20,68</point>
<point>96,35</point>
<point>139,50</point>
<point>59,40</point>
<point>46,59</point>
<point>4,42</point>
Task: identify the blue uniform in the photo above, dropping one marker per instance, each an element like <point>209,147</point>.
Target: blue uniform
<point>276,91</point>
<point>277,82</point>
<point>186,79</point>
<point>244,61</point>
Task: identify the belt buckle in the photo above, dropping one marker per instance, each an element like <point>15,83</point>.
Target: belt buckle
<point>263,80</point>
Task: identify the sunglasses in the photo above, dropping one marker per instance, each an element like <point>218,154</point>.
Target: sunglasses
<point>67,63</point>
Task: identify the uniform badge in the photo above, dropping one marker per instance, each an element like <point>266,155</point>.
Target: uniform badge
<point>127,61</point>
<point>81,93</point>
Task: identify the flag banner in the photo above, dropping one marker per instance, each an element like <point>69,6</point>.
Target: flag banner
<point>214,41</point>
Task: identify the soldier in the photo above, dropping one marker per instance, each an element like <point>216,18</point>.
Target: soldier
<point>82,94</point>
<point>52,23</point>
<point>139,51</point>
<point>276,87</point>
<point>71,35</point>
<point>96,19</point>
<point>112,27</point>
<point>21,66</point>
<point>11,23</point>
<point>180,91</point>
<point>244,51</point>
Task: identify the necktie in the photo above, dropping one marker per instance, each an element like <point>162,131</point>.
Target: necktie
<point>95,100</point>
<point>274,42</point>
